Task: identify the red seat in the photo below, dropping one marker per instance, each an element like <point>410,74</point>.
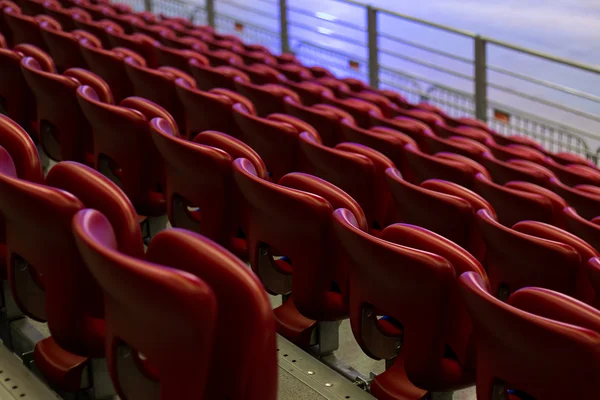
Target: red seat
<point>64,132</point>
<point>558,203</point>
<point>16,98</point>
<point>63,46</point>
<point>574,174</point>
<point>137,42</point>
<point>293,219</point>
<point>512,204</point>
<point>324,118</point>
<point>515,151</point>
<point>216,77</point>
<point>310,93</point>
<point>408,126</point>
<point>408,275</point>
<point>454,205</point>
<point>340,89</point>
<point>531,261</point>
<point>110,66</point>
<point>199,177</point>
<point>298,74</point>
<point>583,228</point>
<point>176,58</point>
<point>584,201</point>
<point>64,16</point>
<point>132,160</point>
<point>26,29</point>
<point>506,171</point>
<point>423,167</point>
<point>158,86</point>
<point>267,99</point>
<point>169,38</point>
<point>140,298</point>
<point>274,140</point>
<point>445,131</point>
<point>84,22</point>
<point>260,74</point>
<point>593,269</point>
<point>359,109</point>
<point>454,144</point>
<point>570,158</point>
<point>533,322</point>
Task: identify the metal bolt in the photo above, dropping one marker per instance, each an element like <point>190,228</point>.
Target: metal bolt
<point>329,384</point>
<point>311,372</point>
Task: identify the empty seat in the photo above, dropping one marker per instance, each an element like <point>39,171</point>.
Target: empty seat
<point>84,22</point>
<point>64,132</point>
<point>267,99</point>
<point>454,205</point>
<point>63,46</point>
<point>274,140</point>
<point>586,202</point>
<point>110,66</point>
<point>158,86</point>
<point>534,321</point>
<point>506,171</point>
<point>137,42</point>
<point>293,219</point>
<point>445,131</point>
<point>131,160</point>
<point>64,16</point>
<point>26,29</point>
<point>408,126</point>
<point>408,276</point>
<point>583,228</point>
<point>324,118</point>
<point>140,297</point>
<point>216,77</point>
<point>515,151</point>
<point>424,166</point>
<point>359,109</point>
<point>310,93</point>
<point>179,59</point>
<point>513,205</point>
<point>200,190</point>
<point>532,261</point>
<point>574,174</point>
<point>454,144</point>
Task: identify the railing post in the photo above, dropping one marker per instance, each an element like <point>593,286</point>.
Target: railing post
<point>210,12</point>
<point>283,27</point>
<point>148,5</point>
<point>481,100</point>
<point>373,44</point>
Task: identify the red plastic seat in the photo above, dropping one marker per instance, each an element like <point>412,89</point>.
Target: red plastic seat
<point>570,158</point>
<point>361,110</point>
<point>310,93</point>
<point>132,160</point>
<point>293,219</point>
<point>445,131</point>
<point>454,205</point>
<point>137,42</point>
<point>593,269</point>
<point>512,204</point>
<point>140,297</point>
<point>275,140</point>
<point>506,171</point>
<point>84,22</point>
<point>110,66</point>
<point>558,203</point>
<point>26,29</point>
<point>169,38</point>
<point>260,74</point>
<point>531,260</point>
<point>409,275</point>
<point>574,174</point>
<point>408,126</point>
<point>16,98</point>
<point>176,58</point>
<point>583,228</point>
<point>216,77</point>
<point>267,99</point>
<point>296,73</point>
<point>324,118</point>
<point>199,176</point>
<point>534,321</point>
<point>584,201</point>
<point>340,89</point>
<point>64,16</point>
<point>64,132</point>
<point>63,46</point>
<point>158,86</point>
<point>423,167</point>
<point>515,151</point>
<point>454,144</point>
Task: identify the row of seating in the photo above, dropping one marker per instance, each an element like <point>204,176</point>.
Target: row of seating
<point>294,218</point>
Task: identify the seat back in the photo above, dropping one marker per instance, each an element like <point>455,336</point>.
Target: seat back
<point>138,43</point>
<point>267,99</point>
<point>131,160</point>
<point>531,261</point>
<point>63,46</point>
<point>216,77</point>
<point>17,142</point>
<point>514,205</point>
<point>64,131</point>
<point>245,319</point>
<point>24,28</point>
<point>139,298</point>
<point>41,248</point>
<point>504,171</point>
<point>96,28</point>
<point>586,230</point>
<point>178,58</point>
<point>360,110</point>
<point>286,220</point>
<point>558,203</point>
<point>574,174</point>
<point>585,202</point>
<point>423,167</point>
<point>523,330</point>
<point>324,118</point>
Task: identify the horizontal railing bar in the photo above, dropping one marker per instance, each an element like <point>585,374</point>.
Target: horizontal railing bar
<point>426,80</point>
<point>546,56</point>
<point>246,8</point>
<point>332,35</point>
<point>428,65</point>
<point>250,24</point>
<point>336,21</point>
<point>547,84</point>
<point>426,48</point>
<point>420,21</point>
<point>337,52</point>
<point>544,102</point>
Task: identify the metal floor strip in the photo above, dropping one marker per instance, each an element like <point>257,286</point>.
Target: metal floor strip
<point>17,382</point>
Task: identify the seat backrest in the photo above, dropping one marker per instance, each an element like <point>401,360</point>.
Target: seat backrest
<point>360,110</point>
<point>454,144</point>
<point>310,93</point>
<point>558,203</point>
<point>268,99</point>
<point>505,171</point>
<point>176,58</point>
<point>409,285</point>
<point>521,329</point>
<point>446,131</point>
<point>286,220</point>
<point>324,118</point>
<point>245,319</point>
<point>24,28</point>
<point>140,297</point>
<point>408,126</point>
<point>138,43</point>
<point>132,160</point>
<point>583,228</point>
<point>585,202</point>
<point>63,46</point>
<point>39,236</point>
<point>593,270</point>
<point>514,205</point>
<point>17,142</point>
<point>97,28</point>
<point>574,174</point>
<point>515,260</point>
<point>216,77</point>
<point>63,129</point>
<point>424,166</point>
<point>276,142</point>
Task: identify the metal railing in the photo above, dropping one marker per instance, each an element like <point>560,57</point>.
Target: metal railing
<point>463,73</point>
